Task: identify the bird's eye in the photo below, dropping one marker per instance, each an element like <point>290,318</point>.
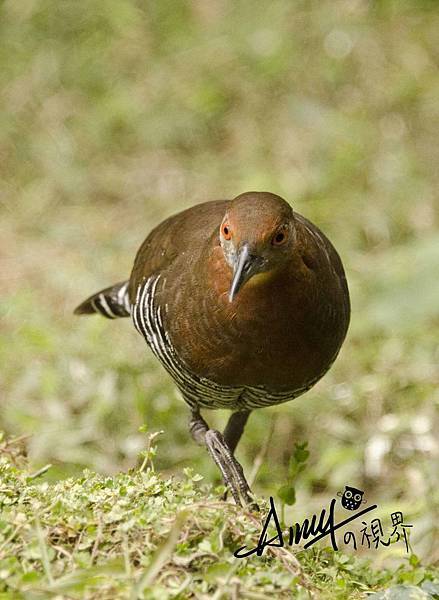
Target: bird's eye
<point>357,497</point>
<point>227,234</point>
<point>280,237</point>
<point>348,494</point>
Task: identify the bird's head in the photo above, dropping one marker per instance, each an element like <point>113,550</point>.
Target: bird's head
<point>257,236</point>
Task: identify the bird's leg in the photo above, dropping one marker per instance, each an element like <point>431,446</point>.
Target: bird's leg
<point>231,470</point>
<point>233,431</point>
<point>234,428</point>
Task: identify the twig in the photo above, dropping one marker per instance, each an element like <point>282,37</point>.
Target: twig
<point>40,472</point>
<point>16,440</point>
<point>151,438</point>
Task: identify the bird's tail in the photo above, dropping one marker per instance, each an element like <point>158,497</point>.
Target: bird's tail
<point>112,302</point>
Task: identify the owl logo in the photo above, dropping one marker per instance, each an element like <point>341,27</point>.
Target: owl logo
<point>351,498</point>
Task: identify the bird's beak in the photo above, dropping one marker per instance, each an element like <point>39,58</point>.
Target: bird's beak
<point>245,266</point>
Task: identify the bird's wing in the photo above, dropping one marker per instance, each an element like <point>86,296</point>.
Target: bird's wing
<point>319,246</point>
<point>322,255</point>
<point>182,234</point>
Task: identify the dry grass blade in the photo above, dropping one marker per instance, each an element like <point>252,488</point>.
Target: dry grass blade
<point>43,549</point>
<point>161,556</point>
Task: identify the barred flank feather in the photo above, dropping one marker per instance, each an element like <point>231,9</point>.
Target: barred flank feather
<point>196,391</point>
<point>113,302</point>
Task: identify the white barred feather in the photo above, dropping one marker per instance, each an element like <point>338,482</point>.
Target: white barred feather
<point>197,391</point>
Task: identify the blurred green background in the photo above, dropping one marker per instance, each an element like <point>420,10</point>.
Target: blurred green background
<point>116,114</point>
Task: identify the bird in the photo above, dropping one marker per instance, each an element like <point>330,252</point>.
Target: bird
<point>244,302</point>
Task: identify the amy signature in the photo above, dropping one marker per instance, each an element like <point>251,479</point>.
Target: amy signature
<point>315,528</point>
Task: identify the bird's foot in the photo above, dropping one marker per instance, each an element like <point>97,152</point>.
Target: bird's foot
<point>230,468</point>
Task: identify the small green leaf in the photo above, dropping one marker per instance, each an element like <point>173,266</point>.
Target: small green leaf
<point>31,577</point>
<point>287,494</point>
<point>414,560</point>
<point>301,453</point>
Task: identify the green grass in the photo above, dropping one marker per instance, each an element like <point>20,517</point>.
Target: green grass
<point>116,114</point>
<point>139,535</point>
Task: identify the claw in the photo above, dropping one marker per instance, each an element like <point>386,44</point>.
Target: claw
<point>230,468</point>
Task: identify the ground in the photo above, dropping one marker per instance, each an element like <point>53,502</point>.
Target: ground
<point>139,535</point>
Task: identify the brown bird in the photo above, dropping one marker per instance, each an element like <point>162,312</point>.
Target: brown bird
<point>246,305</point>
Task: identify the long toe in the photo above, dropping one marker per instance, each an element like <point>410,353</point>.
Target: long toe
<point>231,470</point>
